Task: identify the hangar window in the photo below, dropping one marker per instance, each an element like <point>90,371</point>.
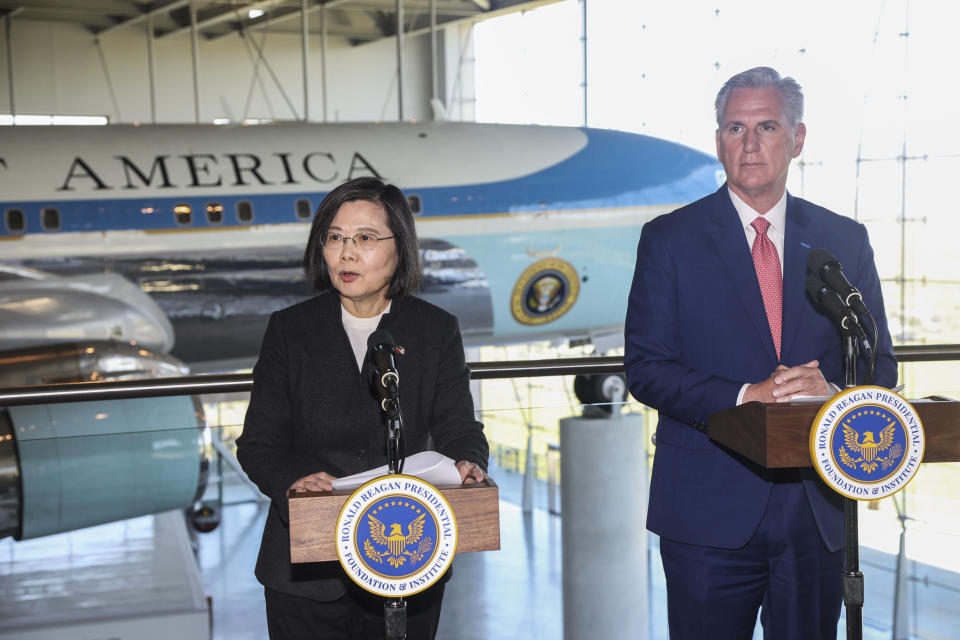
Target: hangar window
<point>214,213</point>
<point>16,221</point>
<point>183,213</point>
<point>244,211</point>
<point>416,205</point>
<point>303,209</point>
<point>50,218</point>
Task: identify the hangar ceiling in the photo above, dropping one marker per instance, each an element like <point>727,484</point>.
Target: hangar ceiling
<point>357,21</point>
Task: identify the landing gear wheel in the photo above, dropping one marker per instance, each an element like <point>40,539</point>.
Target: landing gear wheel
<point>602,392</point>
<point>205,517</point>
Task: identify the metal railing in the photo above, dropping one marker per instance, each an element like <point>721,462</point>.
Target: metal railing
<point>243,382</point>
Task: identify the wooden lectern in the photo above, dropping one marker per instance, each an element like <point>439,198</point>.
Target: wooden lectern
<point>313,520</point>
<point>778,435</point>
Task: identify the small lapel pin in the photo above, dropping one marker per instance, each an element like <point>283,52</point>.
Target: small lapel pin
<point>804,245</point>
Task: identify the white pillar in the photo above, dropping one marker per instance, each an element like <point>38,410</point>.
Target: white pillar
<point>152,70</point>
<point>9,34</point>
<point>305,46</point>
<point>195,51</point>
<point>400,64</point>
<point>434,77</point>
<point>323,59</point>
<point>603,466</point>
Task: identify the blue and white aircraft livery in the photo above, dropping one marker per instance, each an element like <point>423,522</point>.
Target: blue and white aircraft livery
<point>185,238</point>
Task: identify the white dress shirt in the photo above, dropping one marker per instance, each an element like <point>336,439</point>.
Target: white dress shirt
<point>777,217</point>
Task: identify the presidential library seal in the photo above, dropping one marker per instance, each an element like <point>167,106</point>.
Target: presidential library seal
<point>867,443</point>
<point>396,535</point>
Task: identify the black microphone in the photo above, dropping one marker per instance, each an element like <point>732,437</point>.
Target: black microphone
<point>825,264</point>
<point>380,348</point>
<point>836,309</point>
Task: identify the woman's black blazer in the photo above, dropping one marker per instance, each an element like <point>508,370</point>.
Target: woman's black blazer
<point>311,410</point>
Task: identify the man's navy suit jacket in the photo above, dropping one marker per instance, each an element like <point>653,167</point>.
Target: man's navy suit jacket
<point>696,331</point>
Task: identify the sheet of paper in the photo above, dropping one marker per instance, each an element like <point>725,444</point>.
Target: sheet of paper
<point>809,399</point>
<point>434,467</point>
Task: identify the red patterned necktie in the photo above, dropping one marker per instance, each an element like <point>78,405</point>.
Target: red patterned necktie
<point>767,263</point>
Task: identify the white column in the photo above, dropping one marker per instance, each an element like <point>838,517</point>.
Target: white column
<point>152,70</point>
<point>195,51</point>
<point>603,467</point>
<point>9,33</point>
<point>305,45</point>
<point>399,5</point>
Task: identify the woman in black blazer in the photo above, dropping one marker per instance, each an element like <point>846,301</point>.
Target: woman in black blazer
<point>314,415</point>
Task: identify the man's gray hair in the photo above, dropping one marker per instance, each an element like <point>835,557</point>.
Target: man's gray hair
<point>758,78</point>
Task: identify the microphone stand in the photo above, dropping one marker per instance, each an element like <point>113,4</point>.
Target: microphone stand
<point>849,359</point>
<point>852,576</point>
<point>391,408</point>
<point>394,609</point>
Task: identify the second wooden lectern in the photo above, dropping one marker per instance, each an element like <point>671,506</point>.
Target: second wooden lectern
<point>776,436</point>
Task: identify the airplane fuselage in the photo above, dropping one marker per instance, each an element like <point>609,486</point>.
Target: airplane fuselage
<point>525,231</point>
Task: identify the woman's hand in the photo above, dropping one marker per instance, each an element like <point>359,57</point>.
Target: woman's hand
<point>321,481</point>
<point>470,472</point>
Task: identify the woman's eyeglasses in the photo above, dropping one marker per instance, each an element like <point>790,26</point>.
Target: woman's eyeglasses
<point>365,241</point>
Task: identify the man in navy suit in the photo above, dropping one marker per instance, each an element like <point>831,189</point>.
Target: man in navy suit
<point>717,317</point>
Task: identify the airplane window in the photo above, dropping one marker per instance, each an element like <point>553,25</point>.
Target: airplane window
<point>244,211</point>
<point>50,217</point>
<point>214,212</point>
<point>416,206</point>
<point>183,214</point>
<point>16,221</point>
<point>303,209</point>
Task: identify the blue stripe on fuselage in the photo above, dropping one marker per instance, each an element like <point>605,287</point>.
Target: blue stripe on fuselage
<point>614,169</point>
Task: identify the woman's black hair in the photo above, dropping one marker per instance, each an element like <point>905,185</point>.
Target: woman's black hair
<point>407,275</point>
